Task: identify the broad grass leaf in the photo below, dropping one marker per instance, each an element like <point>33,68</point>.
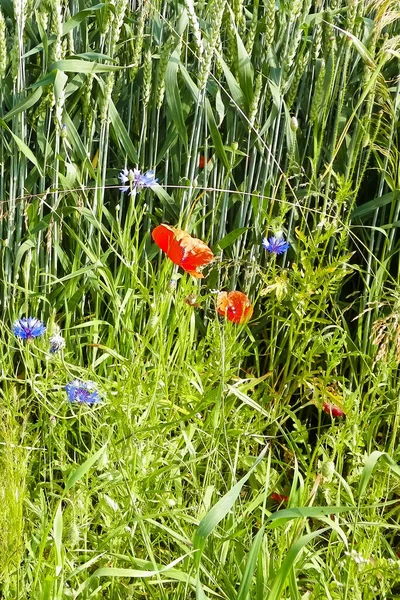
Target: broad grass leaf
<point>79,272</point>
<point>168,570</point>
<point>166,200</point>
<point>279,582</point>
<point>215,134</point>
<point>281,517</point>
<point>369,467</point>
<point>26,151</point>
<point>173,95</point>
<point>76,142</point>
<point>73,22</point>
<point>28,245</point>
<point>24,105</point>
<point>234,87</point>
<point>245,70</point>
<point>200,595</point>
<point>57,534</point>
<point>72,65</point>
<point>247,400</point>
<point>83,469</point>
<point>249,569</point>
<point>359,46</point>
<point>59,84</point>
<point>121,134</point>
<point>80,16</point>
<point>370,207</point>
<point>230,238</point>
<point>221,509</point>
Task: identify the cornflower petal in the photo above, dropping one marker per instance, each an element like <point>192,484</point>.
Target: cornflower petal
<point>275,245</point>
<point>57,343</point>
<point>28,328</point>
<point>136,180</point>
<point>83,392</point>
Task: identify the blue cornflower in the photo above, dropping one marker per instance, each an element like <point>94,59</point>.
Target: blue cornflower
<point>57,342</point>
<point>28,328</point>
<point>84,392</point>
<point>275,245</point>
<point>136,180</point>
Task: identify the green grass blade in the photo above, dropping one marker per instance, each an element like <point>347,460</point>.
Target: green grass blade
<point>251,563</point>
<point>279,582</point>
<point>83,469</point>
<point>369,467</point>
<point>221,509</point>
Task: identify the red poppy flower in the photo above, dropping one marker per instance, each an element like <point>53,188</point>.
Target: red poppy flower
<point>235,306</point>
<point>332,409</point>
<point>184,250</point>
<point>202,161</point>
<point>279,497</point>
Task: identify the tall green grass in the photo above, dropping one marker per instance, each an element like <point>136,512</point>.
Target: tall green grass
<point>293,108</point>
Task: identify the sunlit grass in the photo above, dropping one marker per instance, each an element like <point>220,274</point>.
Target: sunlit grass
<point>259,121</point>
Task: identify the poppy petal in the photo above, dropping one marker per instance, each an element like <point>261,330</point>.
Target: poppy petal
<point>235,306</point>
<point>184,250</point>
<point>279,497</point>
<point>332,409</point>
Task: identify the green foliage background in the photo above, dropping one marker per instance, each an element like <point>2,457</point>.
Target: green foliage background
<point>293,107</point>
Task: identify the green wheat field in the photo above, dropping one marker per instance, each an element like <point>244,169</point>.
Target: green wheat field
<point>151,446</point>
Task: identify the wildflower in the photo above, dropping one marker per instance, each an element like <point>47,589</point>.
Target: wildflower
<point>28,328</point>
<point>235,306</point>
<point>275,245</point>
<point>136,180</point>
<point>279,497</point>
<point>84,392</point>
<point>184,250</point>
<point>202,161</point>
<point>332,409</point>
<point>57,342</point>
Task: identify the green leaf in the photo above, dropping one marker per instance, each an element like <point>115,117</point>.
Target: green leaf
<point>72,65</point>
<point>83,469</point>
<point>24,105</point>
<point>230,238</point>
<point>359,46</point>
<point>173,96</point>
<point>369,467</point>
<point>234,87</point>
<point>373,205</point>
<point>26,151</point>
<point>216,136</point>
<point>28,245</point>
<point>73,22</point>
<point>281,517</point>
<point>249,569</point>
<point>57,534</point>
<point>166,199</point>
<point>168,570</point>
<point>245,70</point>
<point>221,509</point>
<point>121,134</point>
<point>80,16</point>
<point>287,565</point>
<point>200,595</point>
<point>59,84</point>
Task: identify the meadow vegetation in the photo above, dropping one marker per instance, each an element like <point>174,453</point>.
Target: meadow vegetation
<point>225,460</point>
